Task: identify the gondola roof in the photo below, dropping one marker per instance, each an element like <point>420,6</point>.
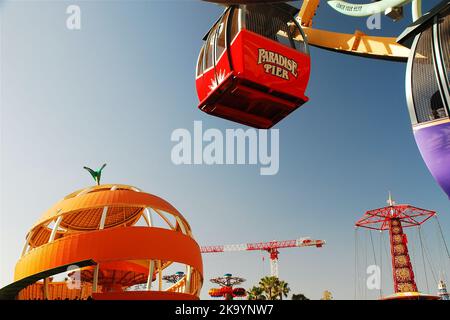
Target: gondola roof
<point>293,11</point>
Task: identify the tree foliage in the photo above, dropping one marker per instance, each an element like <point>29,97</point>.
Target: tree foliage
<point>327,295</point>
<point>269,288</point>
<point>299,296</point>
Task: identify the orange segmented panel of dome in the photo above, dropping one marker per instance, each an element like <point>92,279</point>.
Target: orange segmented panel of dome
<point>101,224</point>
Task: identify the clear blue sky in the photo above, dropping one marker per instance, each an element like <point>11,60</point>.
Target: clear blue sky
<point>114,92</point>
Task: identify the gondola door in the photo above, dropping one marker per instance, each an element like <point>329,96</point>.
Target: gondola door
<point>216,65</point>
<point>222,64</point>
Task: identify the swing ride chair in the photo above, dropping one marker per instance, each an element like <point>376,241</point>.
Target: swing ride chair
<point>227,288</point>
<point>254,66</point>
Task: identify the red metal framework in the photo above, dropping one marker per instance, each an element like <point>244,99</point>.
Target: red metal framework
<point>403,274</point>
<point>227,288</point>
<point>409,216</point>
<point>265,246</point>
<point>394,218</point>
<point>271,247</point>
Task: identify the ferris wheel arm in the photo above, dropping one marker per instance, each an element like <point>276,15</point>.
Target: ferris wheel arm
<point>359,44</point>
<point>364,10</point>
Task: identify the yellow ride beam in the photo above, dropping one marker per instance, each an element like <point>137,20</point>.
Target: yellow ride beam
<point>307,12</point>
<point>358,43</point>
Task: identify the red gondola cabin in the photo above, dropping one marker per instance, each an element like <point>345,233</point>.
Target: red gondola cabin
<point>254,66</point>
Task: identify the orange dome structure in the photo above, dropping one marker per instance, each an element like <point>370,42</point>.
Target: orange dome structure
<point>96,232</point>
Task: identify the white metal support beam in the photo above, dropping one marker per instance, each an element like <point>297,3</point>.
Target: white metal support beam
<point>55,229</point>
<point>103,218</point>
<point>97,267</point>
<point>27,241</point>
<point>416,9</point>
<point>187,287</point>
<point>95,281</point>
<point>151,271</point>
<point>159,275</point>
<point>274,267</point>
<point>181,224</point>
<point>148,217</point>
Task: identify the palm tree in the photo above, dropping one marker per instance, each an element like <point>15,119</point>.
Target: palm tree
<point>283,289</point>
<point>270,286</point>
<point>255,293</point>
<point>327,295</point>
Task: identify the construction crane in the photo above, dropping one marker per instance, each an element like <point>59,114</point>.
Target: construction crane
<point>271,247</point>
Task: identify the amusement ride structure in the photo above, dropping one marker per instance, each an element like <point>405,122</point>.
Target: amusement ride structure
<point>395,219</point>
<point>271,247</point>
<point>93,235</point>
<point>254,66</point>
<point>442,291</point>
<point>227,288</point>
<point>253,69</point>
<point>174,278</point>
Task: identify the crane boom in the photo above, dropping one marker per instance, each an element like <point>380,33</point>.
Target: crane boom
<point>265,246</point>
<point>271,247</point>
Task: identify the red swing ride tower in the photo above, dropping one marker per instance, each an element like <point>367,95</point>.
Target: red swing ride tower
<point>395,218</point>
